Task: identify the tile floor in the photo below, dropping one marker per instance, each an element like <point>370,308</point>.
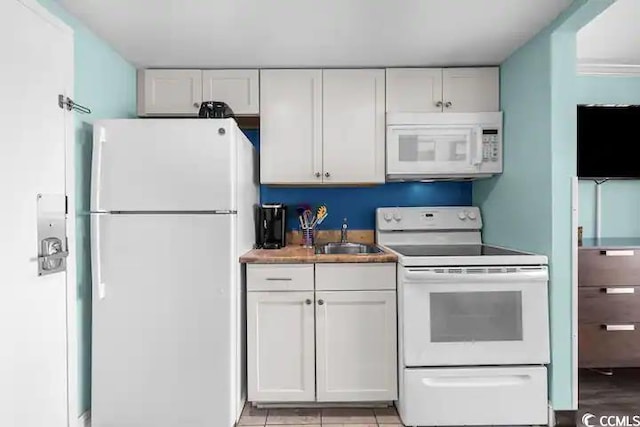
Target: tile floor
<point>331,417</point>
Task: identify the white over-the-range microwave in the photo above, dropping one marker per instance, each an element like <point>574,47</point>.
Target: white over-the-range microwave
<point>428,146</point>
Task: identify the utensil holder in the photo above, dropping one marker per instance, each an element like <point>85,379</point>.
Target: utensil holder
<point>308,237</point>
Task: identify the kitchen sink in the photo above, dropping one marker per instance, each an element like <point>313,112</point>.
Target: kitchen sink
<point>347,248</point>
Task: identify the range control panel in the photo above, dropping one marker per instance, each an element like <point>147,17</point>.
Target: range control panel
<point>429,218</point>
<point>490,145</point>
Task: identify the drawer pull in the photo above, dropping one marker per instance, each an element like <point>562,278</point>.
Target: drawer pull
<point>614,328</point>
<point>611,291</point>
<point>279,279</point>
<point>617,253</point>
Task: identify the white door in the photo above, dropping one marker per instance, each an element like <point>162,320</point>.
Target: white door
<point>164,165</point>
<point>470,90</point>
<point>238,88</point>
<point>291,126</point>
<point>414,90</point>
<point>37,386</point>
<point>169,92</point>
<point>163,348</point>
<point>280,347</point>
<point>353,120</point>
<point>356,346</point>
<point>475,316</point>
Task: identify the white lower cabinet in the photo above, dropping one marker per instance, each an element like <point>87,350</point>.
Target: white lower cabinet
<point>356,346</point>
<point>280,346</point>
<point>337,344</point>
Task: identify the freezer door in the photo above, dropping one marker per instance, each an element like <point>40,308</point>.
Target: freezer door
<point>164,165</point>
<point>164,352</point>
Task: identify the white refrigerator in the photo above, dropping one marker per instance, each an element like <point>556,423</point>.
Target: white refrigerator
<point>171,211</point>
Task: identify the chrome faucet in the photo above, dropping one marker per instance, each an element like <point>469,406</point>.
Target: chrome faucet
<point>343,231</point>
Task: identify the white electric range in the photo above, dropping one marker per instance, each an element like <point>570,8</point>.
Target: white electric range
<point>473,321</point>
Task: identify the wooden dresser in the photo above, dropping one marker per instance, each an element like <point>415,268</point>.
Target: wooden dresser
<point>609,303</point>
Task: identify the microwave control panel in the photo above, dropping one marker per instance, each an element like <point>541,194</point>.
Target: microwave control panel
<point>490,145</point>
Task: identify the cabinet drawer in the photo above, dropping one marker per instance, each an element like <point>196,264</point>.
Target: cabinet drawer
<point>612,267</point>
<point>614,345</point>
<point>355,277</point>
<point>280,277</point>
<point>614,304</point>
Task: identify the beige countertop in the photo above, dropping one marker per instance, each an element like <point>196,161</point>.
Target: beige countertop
<point>296,254</point>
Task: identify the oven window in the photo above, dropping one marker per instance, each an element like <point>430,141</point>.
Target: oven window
<point>476,316</point>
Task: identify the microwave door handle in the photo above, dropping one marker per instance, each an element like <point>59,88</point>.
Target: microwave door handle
<point>477,160</point>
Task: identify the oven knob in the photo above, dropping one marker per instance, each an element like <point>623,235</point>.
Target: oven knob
<point>387,216</point>
<point>462,215</point>
<point>471,215</point>
<point>397,217</point>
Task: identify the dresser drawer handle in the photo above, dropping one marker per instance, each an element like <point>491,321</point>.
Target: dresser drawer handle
<point>617,253</point>
<point>611,291</point>
<point>614,328</point>
<point>279,279</point>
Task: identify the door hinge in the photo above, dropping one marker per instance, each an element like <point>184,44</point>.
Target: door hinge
<point>66,102</point>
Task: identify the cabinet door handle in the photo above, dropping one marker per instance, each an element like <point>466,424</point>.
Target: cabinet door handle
<point>439,104</point>
<point>448,104</point>
<point>307,301</point>
<point>196,105</point>
<point>320,302</point>
<point>617,253</point>
<point>327,174</point>
<point>610,291</point>
<point>615,328</point>
<point>318,174</point>
<point>279,279</point>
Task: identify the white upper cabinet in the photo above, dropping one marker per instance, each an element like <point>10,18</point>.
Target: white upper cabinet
<point>411,90</point>
<point>353,120</point>
<point>469,90</point>
<point>169,92</point>
<point>238,88</point>
<point>450,90</point>
<point>291,126</point>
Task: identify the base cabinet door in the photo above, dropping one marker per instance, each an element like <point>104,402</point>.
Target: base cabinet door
<point>280,346</point>
<point>356,346</point>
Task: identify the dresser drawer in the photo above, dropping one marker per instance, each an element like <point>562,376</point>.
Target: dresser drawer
<point>614,345</point>
<point>280,277</point>
<point>613,304</point>
<point>612,267</point>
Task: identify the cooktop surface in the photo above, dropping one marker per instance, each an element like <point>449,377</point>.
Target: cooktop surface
<point>452,250</point>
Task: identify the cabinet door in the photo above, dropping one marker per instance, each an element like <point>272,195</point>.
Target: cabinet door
<point>356,346</point>
<point>414,90</point>
<point>238,88</point>
<point>291,126</point>
<point>353,126</point>
<point>280,346</point>
<point>169,92</point>
<point>468,90</point>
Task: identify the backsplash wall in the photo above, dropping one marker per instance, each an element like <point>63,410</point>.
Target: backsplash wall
<point>358,204</point>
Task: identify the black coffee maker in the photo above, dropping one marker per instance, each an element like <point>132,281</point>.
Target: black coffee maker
<point>271,226</point>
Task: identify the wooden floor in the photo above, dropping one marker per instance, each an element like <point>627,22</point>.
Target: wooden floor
<point>618,394</point>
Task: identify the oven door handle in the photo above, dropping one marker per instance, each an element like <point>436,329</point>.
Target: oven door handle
<point>417,276</point>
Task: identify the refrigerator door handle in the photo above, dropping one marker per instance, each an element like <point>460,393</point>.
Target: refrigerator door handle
<point>96,254</point>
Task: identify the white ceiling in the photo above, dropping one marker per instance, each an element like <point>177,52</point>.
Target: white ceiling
<point>613,37</point>
<point>307,33</point>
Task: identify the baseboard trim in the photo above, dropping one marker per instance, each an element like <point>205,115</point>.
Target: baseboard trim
<point>84,420</point>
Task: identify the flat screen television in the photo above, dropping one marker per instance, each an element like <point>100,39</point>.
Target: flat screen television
<point>607,141</point>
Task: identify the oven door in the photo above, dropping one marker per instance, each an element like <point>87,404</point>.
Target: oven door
<point>433,150</point>
<point>475,316</point>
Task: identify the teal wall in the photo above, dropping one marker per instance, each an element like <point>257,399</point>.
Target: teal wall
<point>529,205</point>
<point>620,199</point>
<point>106,83</point>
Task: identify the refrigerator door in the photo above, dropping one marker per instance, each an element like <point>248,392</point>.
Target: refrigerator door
<point>164,165</point>
<point>164,344</point>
